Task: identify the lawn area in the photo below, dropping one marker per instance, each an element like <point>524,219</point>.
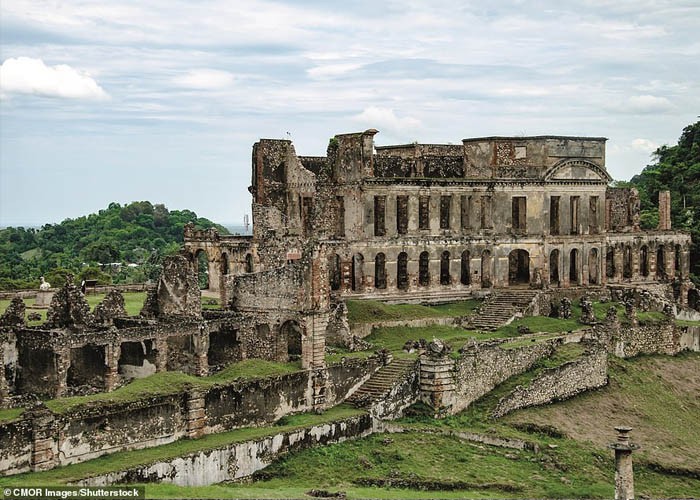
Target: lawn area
<point>128,459</point>
<point>369,311</point>
<point>164,383</point>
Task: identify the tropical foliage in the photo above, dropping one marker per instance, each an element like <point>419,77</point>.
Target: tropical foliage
<point>99,246</point>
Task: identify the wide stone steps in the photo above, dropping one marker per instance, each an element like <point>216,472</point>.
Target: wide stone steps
<point>381,382</point>
<point>500,308</point>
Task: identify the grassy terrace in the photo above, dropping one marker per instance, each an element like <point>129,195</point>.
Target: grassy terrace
<point>370,311</point>
<point>173,382</point>
<point>127,459</point>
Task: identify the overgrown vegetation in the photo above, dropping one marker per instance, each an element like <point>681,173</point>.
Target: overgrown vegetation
<point>138,233</point>
<point>675,168</point>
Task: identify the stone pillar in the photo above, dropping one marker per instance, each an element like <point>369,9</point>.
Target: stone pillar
<point>618,259</point>
<point>196,418</point>
<point>161,347</point>
<point>624,474</point>
<point>664,211</point>
<point>390,216</point>
<point>313,342</point>
<point>44,454</point>
<point>201,351</point>
<point>635,249</point>
<point>62,357</point>
<point>4,386</point>
<point>437,382</point>
<point>670,265</point>
<point>112,354</point>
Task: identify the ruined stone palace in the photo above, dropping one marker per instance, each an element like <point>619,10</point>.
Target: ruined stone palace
<point>526,223</point>
<point>426,221</point>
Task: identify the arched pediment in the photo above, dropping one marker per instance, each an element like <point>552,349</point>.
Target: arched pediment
<point>583,170</point>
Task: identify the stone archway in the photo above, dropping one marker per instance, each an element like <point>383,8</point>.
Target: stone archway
<point>518,267</point>
<point>201,261</point>
<point>465,277</point>
<point>445,277</point>
<point>574,267</point>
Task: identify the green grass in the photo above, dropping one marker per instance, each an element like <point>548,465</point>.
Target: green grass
<point>564,468</point>
<point>10,414</point>
<point>128,459</point>
<point>165,383</point>
<point>370,311</point>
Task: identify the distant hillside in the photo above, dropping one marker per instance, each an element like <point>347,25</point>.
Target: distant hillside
<point>138,233</point>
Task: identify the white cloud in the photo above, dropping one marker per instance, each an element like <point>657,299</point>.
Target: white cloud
<point>644,145</point>
<point>385,118</point>
<point>25,75</point>
<point>644,104</point>
<point>205,79</point>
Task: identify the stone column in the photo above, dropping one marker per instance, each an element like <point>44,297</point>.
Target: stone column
<point>196,418</point>
<point>161,347</point>
<point>4,386</point>
<point>618,260</point>
<point>664,211</point>
<point>112,354</point>
<point>44,454</point>
<point>313,342</point>
<point>636,249</point>
<point>624,474</point>
<point>201,351</point>
<point>62,357</point>
<point>319,381</point>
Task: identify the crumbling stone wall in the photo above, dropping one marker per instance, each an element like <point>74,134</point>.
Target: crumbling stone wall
<point>15,446</point>
<point>177,292</point>
<point>14,314</point>
<point>112,306</point>
<point>69,309</point>
<point>588,372</point>
<point>481,367</point>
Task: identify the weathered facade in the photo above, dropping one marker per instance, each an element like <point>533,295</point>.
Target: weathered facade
<point>419,220</point>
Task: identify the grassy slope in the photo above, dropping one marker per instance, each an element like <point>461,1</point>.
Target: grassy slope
<point>565,468</point>
<point>656,395</point>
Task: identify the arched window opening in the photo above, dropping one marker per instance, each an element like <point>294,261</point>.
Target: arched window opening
<point>465,277</point>
<point>445,277</point>
<point>554,267</point>
<point>402,271</point>
<point>424,269</point>
<point>380,271</point>
<point>593,267</point>
<point>574,267</point>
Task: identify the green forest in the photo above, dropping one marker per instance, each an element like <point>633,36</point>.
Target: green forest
<point>675,168</point>
<point>139,233</point>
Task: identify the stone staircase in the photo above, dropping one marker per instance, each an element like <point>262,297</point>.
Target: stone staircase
<point>500,307</point>
<point>381,382</point>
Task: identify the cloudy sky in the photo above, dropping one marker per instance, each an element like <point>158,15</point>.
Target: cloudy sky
<point>161,100</point>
